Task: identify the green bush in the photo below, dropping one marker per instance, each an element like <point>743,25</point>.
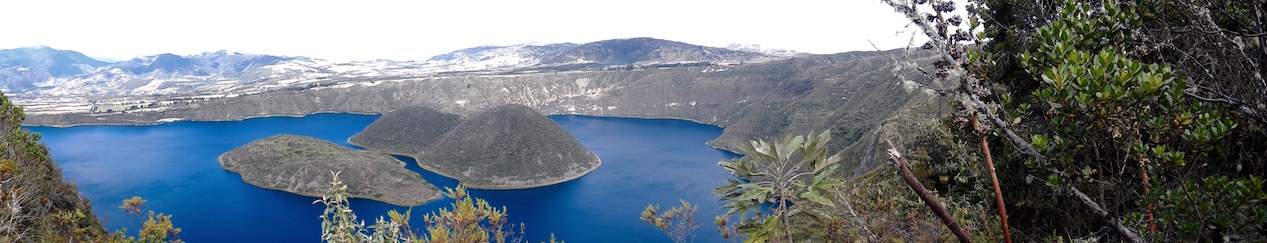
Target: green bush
<point>467,220</point>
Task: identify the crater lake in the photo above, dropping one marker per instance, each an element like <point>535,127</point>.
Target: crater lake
<point>173,166</point>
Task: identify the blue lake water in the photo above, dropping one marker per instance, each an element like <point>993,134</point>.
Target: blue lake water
<point>173,166</point>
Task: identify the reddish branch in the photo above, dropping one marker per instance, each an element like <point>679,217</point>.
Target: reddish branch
<point>1143,177</point>
<point>1143,174</point>
<point>994,179</point>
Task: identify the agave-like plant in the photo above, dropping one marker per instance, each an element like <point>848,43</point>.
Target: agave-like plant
<point>790,176</point>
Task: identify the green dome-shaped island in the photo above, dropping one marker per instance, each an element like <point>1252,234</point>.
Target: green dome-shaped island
<point>506,147</point>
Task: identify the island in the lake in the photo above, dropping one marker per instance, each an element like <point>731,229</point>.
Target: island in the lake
<point>506,147</point>
<point>406,131</point>
<point>303,165</point>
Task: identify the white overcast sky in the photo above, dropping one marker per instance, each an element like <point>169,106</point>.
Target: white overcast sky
<point>417,30</point>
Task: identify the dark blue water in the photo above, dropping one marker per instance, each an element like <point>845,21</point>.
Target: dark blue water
<point>174,167</point>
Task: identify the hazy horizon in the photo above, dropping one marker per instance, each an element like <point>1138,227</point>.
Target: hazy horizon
<point>400,30</point>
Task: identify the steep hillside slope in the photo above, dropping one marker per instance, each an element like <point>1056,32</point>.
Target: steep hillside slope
<point>509,146</point>
<point>33,192</point>
<point>302,165</point>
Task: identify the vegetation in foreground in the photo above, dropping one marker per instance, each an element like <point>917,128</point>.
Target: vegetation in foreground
<point>39,206</point>
<point>466,220</point>
<point>1108,121</point>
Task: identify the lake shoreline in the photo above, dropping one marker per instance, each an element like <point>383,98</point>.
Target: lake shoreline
<point>166,121</point>
<point>463,183</point>
<point>645,162</point>
<point>435,196</point>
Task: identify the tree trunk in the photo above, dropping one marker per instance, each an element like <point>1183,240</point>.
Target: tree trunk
<point>787,227</point>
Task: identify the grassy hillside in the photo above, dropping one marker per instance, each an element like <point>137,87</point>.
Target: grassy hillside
<point>406,131</point>
<point>302,165</point>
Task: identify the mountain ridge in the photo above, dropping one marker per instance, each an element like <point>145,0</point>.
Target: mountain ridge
<point>235,73</point>
<point>646,50</point>
<point>22,68</point>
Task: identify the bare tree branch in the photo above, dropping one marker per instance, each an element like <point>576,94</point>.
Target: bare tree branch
<point>1095,207</point>
<point>928,198</point>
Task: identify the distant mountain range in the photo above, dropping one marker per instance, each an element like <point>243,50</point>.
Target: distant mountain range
<point>43,72</point>
<point>634,51</point>
<point>21,68</point>
<point>772,52</point>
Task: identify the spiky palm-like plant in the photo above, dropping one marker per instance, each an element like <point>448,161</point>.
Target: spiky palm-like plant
<point>789,175</point>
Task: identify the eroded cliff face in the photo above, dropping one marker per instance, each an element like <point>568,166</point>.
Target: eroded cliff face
<point>849,93</point>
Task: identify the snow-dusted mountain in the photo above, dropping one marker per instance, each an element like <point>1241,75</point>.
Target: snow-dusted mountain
<point>641,51</point>
<point>494,57</point>
<point>773,52</point>
<point>21,68</point>
<point>632,51</point>
<point>166,74</point>
<point>49,73</point>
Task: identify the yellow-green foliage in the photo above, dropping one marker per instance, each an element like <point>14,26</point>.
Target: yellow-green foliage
<point>464,223</point>
<point>467,220</point>
<point>156,228</point>
<point>678,223</point>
